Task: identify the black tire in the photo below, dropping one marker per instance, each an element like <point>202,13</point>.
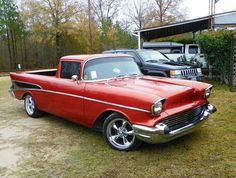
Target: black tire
<point>118,133</point>
<point>30,107</point>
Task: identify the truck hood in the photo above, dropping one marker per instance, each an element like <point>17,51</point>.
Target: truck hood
<point>176,92</point>
<point>169,65</point>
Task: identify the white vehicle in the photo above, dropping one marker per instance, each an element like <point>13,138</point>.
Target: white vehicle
<point>175,51</point>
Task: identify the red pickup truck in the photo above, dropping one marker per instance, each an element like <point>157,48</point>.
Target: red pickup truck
<point>108,92</point>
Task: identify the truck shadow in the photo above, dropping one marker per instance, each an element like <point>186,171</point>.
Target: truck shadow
<point>185,142</point>
<point>182,143</point>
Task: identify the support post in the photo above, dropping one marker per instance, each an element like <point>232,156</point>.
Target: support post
<point>193,36</point>
<point>139,41</point>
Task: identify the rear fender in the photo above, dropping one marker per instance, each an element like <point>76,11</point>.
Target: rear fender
<point>20,94</point>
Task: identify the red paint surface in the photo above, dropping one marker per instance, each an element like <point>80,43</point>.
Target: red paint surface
<point>139,92</point>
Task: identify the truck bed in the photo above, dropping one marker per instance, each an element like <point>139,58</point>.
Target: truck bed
<point>32,78</point>
<point>45,72</point>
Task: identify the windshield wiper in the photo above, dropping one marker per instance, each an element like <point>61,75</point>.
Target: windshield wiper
<point>134,74</point>
<point>129,75</point>
<point>152,61</point>
<point>164,60</point>
<point>120,76</point>
<point>158,61</point>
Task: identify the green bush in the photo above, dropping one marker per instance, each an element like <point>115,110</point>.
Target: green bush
<point>185,38</point>
<point>216,47</point>
<point>193,61</point>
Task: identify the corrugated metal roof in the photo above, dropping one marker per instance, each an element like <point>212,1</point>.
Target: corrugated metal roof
<point>162,44</point>
<point>226,19</point>
<point>193,25</point>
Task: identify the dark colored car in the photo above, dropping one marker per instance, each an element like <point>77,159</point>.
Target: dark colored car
<point>157,64</point>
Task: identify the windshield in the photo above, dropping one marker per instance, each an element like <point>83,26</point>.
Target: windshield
<point>107,68</point>
<point>152,56</point>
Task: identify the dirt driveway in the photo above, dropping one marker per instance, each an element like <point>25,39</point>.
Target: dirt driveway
<point>52,147</point>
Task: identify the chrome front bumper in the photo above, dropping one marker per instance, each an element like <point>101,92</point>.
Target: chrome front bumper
<point>161,133</point>
<point>196,78</point>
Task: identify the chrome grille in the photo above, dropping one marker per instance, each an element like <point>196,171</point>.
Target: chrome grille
<point>183,118</point>
<point>189,72</point>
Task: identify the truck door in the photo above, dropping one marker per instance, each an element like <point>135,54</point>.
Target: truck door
<point>68,94</point>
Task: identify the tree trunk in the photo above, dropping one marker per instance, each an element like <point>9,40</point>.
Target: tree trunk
<point>22,52</point>
<point>25,53</point>
<point>9,50</point>
<point>58,49</point>
<point>210,72</point>
<point>90,28</point>
<point>13,49</point>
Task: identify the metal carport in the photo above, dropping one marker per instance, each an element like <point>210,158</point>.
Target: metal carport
<point>194,25</point>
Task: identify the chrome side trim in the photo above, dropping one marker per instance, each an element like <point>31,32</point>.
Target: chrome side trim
<point>118,105</point>
<point>60,93</point>
<point>86,98</point>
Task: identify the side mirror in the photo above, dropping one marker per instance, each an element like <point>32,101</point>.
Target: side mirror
<point>74,77</point>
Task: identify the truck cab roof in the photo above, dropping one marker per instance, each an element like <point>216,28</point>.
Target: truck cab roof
<point>84,58</point>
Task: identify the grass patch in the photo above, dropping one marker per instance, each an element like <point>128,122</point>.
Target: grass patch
<point>58,148</point>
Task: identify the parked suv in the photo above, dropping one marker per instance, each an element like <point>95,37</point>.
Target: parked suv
<point>175,51</point>
<point>155,63</point>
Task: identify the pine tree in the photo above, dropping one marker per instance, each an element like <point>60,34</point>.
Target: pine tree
<point>11,28</point>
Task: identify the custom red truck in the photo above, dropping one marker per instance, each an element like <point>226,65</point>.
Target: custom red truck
<point>108,92</point>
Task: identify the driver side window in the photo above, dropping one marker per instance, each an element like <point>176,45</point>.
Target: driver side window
<point>68,69</point>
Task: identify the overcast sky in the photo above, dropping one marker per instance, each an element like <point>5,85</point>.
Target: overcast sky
<point>199,8</point>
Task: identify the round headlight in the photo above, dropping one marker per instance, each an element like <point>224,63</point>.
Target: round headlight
<point>157,108</point>
<point>208,92</point>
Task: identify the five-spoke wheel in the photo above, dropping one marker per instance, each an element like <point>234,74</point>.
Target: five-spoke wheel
<point>30,107</point>
<point>119,133</point>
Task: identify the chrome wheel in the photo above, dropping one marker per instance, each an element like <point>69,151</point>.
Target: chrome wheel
<point>120,133</point>
<point>29,105</point>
